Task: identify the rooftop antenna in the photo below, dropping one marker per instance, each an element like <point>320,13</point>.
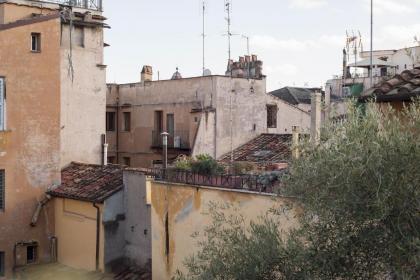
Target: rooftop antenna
<point>228,7</point>
<point>204,36</point>
<point>247,51</point>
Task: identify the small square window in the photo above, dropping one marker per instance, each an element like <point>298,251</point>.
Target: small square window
<point>272,116</point>
<point>35,42</point>
<point>31,254</point>
<point>127,161</point>
<point>111,160</point>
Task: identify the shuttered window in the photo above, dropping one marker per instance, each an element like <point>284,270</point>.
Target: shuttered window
<point>2,261</point>
<point>2,105</point>
<point>2,189</point>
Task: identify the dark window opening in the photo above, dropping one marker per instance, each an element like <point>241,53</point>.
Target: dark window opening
<point>167,236</point>
<point>31,254</point>
<point>159,122</point>
<point>272,116</point>
<point>79,36</point>
<point>2,264</point>
<point>127,161</point>
<point>111,160</point>
<point>127,121</point>
<point>35,42</point>
<point>110,121</point>
<point>2,189</point>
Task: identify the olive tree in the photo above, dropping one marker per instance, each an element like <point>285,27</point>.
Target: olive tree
<point>359,188</point>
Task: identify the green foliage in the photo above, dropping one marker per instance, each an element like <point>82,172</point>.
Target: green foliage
<point>183,163</point>
<point>243,167</point>
<point>360,191</point>
<point>206,165</point>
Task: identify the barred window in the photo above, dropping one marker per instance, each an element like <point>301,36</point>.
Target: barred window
<point>272,116</point>
<point>2,189</point>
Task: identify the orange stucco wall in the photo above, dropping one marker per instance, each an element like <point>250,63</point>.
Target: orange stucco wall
<point>30,148</point>
<point>75,228</point>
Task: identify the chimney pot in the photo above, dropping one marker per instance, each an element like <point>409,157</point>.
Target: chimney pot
<point>247,59</point>
<point>147,74</point>
<point>254,58</point>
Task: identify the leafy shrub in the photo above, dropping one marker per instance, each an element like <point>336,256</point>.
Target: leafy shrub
<point>206,165</point>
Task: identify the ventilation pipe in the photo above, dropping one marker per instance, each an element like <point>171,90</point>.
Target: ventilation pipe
<point>295,141</point>
<point>38,209</point>
<point>315,117</point>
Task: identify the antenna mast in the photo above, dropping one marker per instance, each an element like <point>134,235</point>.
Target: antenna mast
<point>228,6</point>
<point>204,37</point>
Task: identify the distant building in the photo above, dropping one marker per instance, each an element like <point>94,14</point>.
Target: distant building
<point>203,115</point>
<point>52,102</point>
<point>386,63</point>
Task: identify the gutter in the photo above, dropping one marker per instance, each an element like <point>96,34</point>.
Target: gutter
<point>98,229</point>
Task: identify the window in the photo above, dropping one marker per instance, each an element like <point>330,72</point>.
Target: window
<point>110,121</point>
<point>31,254</point>
<point>2,269</point>
<point>127,121</point>
<point>35,42</point>
<point>272,116</point>
<point>2,105</point>
<point>79,36</point>
<point>2,189</point>
<point>111,160</point>
<point>127,161</point>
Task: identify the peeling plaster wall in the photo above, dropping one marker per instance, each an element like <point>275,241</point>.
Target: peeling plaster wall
<point>30,149</point>
<point>184,206</point>
<point>83,102</point>
<point>205,141</point>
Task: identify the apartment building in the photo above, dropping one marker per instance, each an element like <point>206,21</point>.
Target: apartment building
<point>203,115</point>
<point>52,102</point>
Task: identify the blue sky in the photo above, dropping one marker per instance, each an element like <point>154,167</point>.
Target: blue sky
<point>300,41</point>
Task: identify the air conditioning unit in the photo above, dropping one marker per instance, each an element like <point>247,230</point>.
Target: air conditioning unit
<point>177,142</point>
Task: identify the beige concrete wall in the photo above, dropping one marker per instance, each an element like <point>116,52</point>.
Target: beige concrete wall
<point>30,149</point>
<point>83,102</point>
<point>75,228</point>
<point>184,205</point>
<point>15,10</point>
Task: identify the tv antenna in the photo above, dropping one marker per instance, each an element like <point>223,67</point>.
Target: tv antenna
<point>228,7</point>
<point>204,36</point>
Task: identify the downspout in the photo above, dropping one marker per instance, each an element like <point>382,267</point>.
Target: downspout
<point>117,128</point>
<point>98,230</point>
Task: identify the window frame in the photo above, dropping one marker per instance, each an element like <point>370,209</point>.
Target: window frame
<point>2,263</point>
<point>272,116</point>
<point>37,37</point>
<point>110,128</point>
<point>126,122</point>
<point>34,254</point>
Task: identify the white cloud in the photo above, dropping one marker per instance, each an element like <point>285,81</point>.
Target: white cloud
<point>307,4</point>
<point>382,7</point>
<point>295,45</point>
<point>397,36</point>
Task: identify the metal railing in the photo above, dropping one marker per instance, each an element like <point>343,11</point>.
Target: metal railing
<point>248,182</point>
<point>85,4</point>
<point>179,139</point>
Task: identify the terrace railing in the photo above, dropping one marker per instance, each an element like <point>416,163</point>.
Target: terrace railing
<point>179,139</point>
<point>246,182</point>
<point>86,4</point>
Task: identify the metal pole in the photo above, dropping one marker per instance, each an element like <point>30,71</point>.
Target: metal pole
<point>204,35</point>
<point>371,43</point>
<point>165,150</point>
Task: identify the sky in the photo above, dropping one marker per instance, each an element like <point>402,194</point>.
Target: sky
<point>299,41</point>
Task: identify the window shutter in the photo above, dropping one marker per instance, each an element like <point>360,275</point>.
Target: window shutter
<point>2,189</point>
<point>2,113</point>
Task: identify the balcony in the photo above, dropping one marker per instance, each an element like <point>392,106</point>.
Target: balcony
<point>179,140</point>
<point>84,4</point>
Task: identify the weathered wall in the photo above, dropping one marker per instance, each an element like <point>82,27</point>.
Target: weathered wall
<point>114,229</point>
<point>206,135</point>
<point>31,152</point>
<point>184,207</point>
<point>75,228</point>
<point>138,222</point>
<point>83,92</point>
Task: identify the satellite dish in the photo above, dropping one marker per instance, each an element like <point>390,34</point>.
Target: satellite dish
<point>207,72</point>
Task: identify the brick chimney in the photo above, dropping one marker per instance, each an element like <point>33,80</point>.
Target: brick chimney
<point>146,74</point>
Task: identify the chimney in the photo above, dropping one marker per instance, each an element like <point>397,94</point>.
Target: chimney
<point>254,58</point>
<point>241,59</point>
<point>104,150</point>
<point>247,59</point>
<point>146,74</point>
<point>315,117</point>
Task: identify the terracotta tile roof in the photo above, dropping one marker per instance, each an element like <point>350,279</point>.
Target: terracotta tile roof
<point>266,148</point>
<point>401,87</point>
<point>89,182</point>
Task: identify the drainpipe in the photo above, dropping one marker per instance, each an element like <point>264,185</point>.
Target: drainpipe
<point>38,209</point>
<point>104,150</point>
<point>98,230</point>
<point>315,117</point>
<point>117,127</point>
<point>165,150</point>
